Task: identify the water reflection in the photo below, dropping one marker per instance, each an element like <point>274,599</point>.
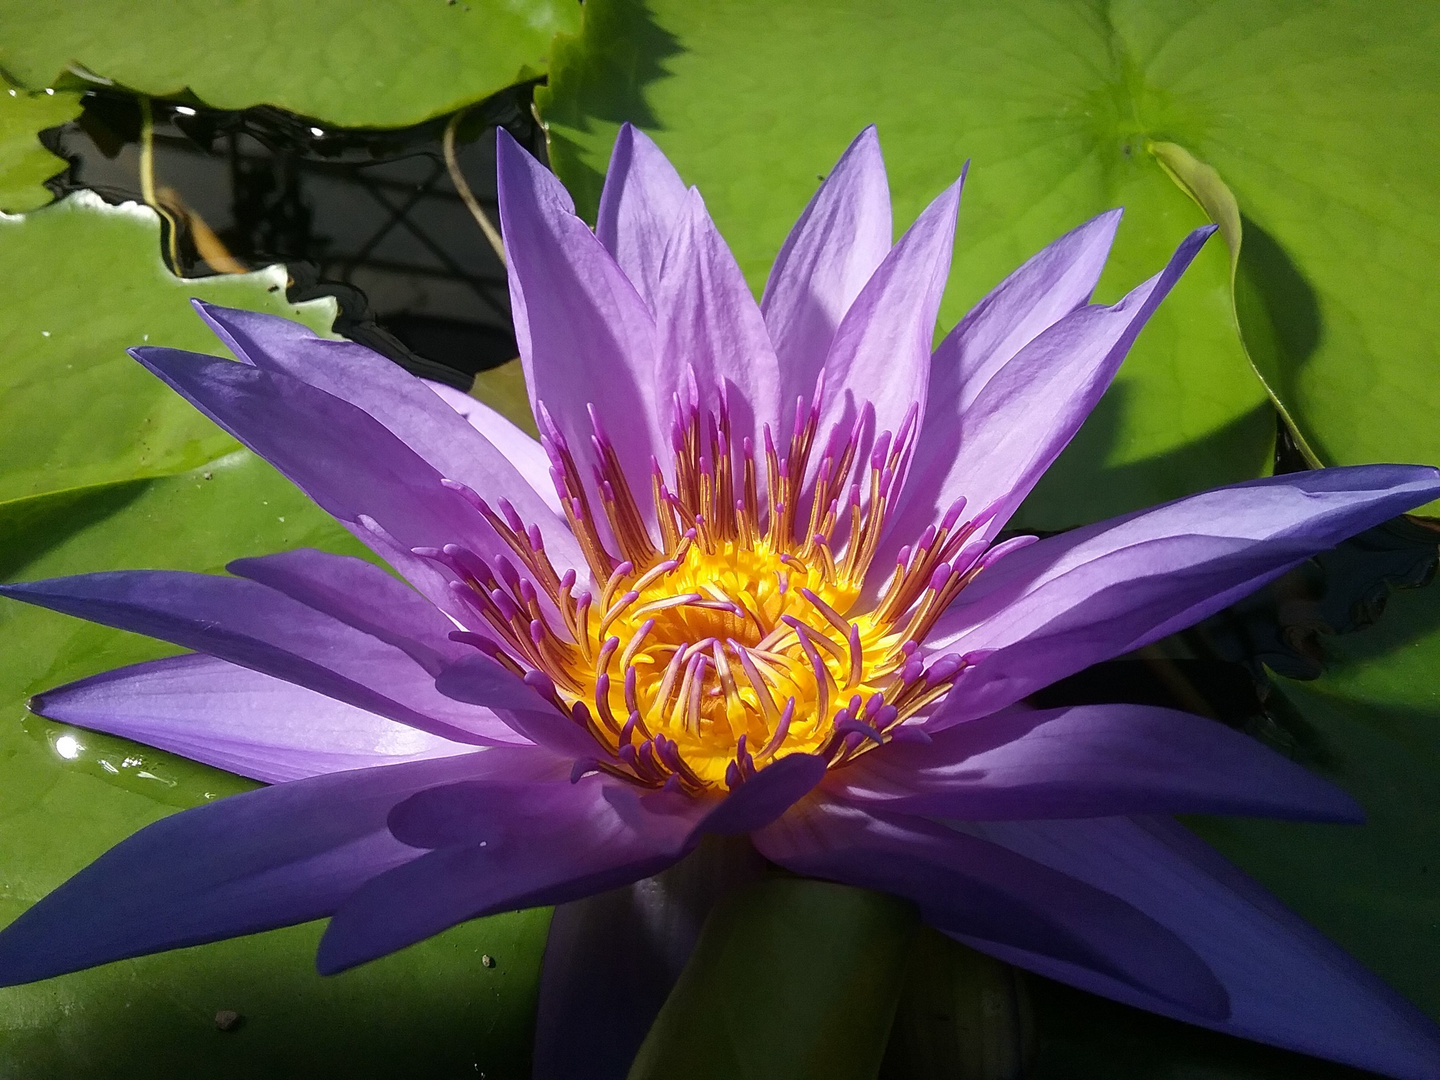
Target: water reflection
<point>372,218</point>
<point>163,777</point>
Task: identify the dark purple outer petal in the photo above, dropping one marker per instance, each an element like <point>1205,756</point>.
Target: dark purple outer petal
<point>506,846</point>
<point>835,247</point>
<point>1288,985</point>
<point>258,628</point>
<point>965,885</point>
<point>478,680</point>
<point>764,797</point>
<point>280,855</point>
<point>1088,761</point>
<point>236,719</point>
<point>361,595</point>
<point>1075,599</point>
<point>612,959</point>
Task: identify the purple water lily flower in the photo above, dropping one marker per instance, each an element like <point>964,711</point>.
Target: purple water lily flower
<point>747,582</point>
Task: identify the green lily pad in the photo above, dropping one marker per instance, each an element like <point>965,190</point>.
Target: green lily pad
<point>1322,133</point>
<point>83,282</point>
<point>352,65</point>
<point>790,979</point>
<point>1053,103</point>
<point>433,1010</point>
<point>25,165</point>
<point>1372,724</point>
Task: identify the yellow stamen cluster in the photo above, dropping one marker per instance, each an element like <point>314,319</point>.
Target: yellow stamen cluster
<point>734,640</point>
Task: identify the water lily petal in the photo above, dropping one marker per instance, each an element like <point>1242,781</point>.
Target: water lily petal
<point>993,447</point>
<point>273,857</point>
<point>1075,599</point>
<point>363,596</point>
<point>1087,761</point>
<point>408,407</point>
<point>532,845</point>
<point>967,885</point>
<point>1049,286</point>
<point>478,680</point>
<point>765,796</point>
<point>835,247</point>
<point>881,351</point>
<point>525,453</point>
<point>709,323</point>
<point>264,630</point>
<point>1288,985</point>
<point>586,337</point>
<point>343,458</point>
<point>612,959</point>
<point>239,720</point>
<point>639,207</point>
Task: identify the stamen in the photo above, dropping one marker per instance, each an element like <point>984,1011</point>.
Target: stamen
<point>782,729</point>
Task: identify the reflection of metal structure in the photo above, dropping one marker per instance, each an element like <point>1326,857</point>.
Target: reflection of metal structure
<point>371,217</point>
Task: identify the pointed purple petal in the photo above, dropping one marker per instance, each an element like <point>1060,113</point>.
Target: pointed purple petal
<point>361,595</point>
<point>1075,599</point>
<point>1045,289</point>
<point>586,337</point>
<point>267,858</point>
<point>1048,286</point>
<point>1288,985</point>
<point>612,959</point>
<point>765,796</point>
<point>970,886</point>
<point>835,247</point>
<point>258,628</point>
<point>345,460</point>
<point>528,845</point>
<point>237,719</point>
<point>408,407</point>
<point>527,455</point>
<point>478,680</point>
<point>707,320</point>
<point>992,447</point>
<point>1085,761</point>
<point>639,207</point>
<point>881,351</point>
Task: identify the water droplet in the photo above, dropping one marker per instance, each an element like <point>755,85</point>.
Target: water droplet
<point>68,747</point>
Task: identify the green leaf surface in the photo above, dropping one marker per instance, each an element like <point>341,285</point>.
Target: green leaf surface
<point>352,65</point>
<point>791,979</point>
<point>1321,121</point>
<point>1052,102</point>
<point>433,1010</point>
<point>83,282</point>
<point>1372,724</point>
<point>25,165</point>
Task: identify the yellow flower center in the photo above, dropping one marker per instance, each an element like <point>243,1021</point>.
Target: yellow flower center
<point>735,640</point>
